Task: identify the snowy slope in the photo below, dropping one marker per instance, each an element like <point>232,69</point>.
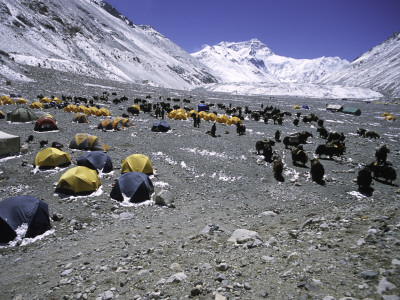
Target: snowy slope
<point>379,69</point>
<point>306,90</point>
<point>90,37</point>
<point>253,61</point>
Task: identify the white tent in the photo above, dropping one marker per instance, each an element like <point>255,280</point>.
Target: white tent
<point>9,144</point>
<point>334,107</point>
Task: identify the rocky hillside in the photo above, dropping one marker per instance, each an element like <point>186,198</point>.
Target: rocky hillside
<point>89,37</point>
<point>379,69</point>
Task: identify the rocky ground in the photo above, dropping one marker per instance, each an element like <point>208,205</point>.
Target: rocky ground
<point>300,240</point>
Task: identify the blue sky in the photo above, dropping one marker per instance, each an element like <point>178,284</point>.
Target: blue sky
<point>293,28</point>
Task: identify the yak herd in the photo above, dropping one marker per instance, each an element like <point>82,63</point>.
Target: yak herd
<point>333,147</point>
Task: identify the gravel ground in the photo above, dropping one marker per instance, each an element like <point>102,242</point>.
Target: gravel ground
<point>309,241</point>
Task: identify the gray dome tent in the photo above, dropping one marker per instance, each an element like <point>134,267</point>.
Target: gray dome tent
<point>136,186</point>
<point>21,114</point>
<point>19,210</point>
<point>96,160</point>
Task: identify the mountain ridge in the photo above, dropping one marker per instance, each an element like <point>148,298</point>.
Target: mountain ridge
<point>253,61</point>
<point>90,37</point>
<point>378,68</point>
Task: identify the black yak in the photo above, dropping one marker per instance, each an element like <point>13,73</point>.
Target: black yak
<point>317,170</point>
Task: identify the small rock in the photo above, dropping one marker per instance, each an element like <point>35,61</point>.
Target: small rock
<point>196,291</point>
<point>220,277</point>
<point>241,236</point>
<point>126,216</point>
<point>57,217</point>
<point>164,198</point>
<point>384,285</point>
<point>268,213</point>
<point>66,272</point>
<point>222,267</point>
<point>220,297</point>
<point>107,295</point>
<point>177,278</point>
<point>368,274</point>
<point>395,263</point>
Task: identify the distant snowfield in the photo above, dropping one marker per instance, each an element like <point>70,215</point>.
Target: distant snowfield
<point>295,89</point>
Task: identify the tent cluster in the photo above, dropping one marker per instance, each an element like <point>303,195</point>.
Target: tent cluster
<point>89,111</point>
<point>301,107</point>
<point>117,123</point>
<point>346,110</point>
<point>48,100</point>
<point>133,185</point>
<point>181,114</point>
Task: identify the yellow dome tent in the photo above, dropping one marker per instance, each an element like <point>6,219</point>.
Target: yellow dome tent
<point>222,119</point>
<point>57,100</point>
<point>78,180</point>
<point>172,114</point>
<point>22,101</point>
<point>210,117</point>
<point>80,118</point>
<point>105,112</point>
<point>51,158</point>
<point>180,116</point>
<point>84,141</point>
<point>94,111</point>
<point>4,99</point>
<point>36,105</point>
<point>69,108</point>
<point>105,124</point>
<point>137,163</point>
<point>136,106</point>
<point>45,100</point>
<point>190,113</point>
<point>233,121</point>
<point>84,109</point>
<point>123,122</point>
<point>8,100</point>
<point>296,107</point>
<point>202,114</point>
<point>390,118</point>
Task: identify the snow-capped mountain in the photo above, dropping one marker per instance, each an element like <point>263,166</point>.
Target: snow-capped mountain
<point>89,37</point>
<point>379,69</point>
<point>253,61</point>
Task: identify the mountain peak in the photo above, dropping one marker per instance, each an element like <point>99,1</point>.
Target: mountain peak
<point>253,61</point>
<point>252,47</point>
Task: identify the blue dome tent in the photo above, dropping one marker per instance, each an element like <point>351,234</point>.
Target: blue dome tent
<point>19,210</point>
<point>202,107</point>
<point>136,186</point>
<point>96,160</point>
<point>160,126</point>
